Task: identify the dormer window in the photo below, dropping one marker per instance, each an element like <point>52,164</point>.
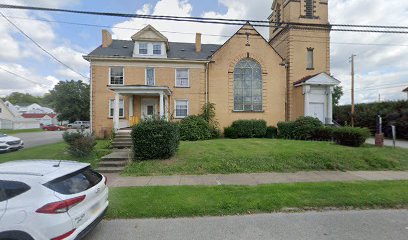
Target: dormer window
<point>143,48</point>
<point>157,49</point>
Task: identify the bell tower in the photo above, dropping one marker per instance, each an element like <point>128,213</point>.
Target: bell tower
<point>300,33</point>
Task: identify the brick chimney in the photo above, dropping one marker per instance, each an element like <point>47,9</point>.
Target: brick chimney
<point>106,38</point>
<point>198,43</point>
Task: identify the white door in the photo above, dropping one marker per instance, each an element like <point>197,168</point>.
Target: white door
<point>317,111</point>
<point>149,108</point>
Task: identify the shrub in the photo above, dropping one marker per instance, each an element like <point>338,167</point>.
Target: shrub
<point>194,128</point>
<point>271,132</point>
<point>155,139</point>
<point>348,136</point>
<point>230,132</point>
<point>323,133</point>
<point>80,143</point>
<point>286,130</point>
<point>249,128</point>
<point>305,127</point>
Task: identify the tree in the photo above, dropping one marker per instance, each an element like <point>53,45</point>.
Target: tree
<point>17,97</point>
<point>337,94</point>
<point>70,100</point>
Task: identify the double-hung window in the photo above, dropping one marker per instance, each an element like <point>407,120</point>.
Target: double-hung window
<point>143,48</point>
<point>181,109</point>
<point>150,76</point>
<point>112,108</point>
<point>182,78</point>
<point>116,76</point>
<point>157,49</point>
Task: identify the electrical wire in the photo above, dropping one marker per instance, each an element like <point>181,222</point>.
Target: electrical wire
<point>18,75</point>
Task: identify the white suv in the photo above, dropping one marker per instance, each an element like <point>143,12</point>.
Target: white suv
<point>9,143</point>
<point>50,200</point>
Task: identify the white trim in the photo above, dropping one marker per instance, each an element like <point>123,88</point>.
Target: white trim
<point>175,108</point>
<point>188,77</point>
<point>109,107</point>
<point>157,63</point>
<point>91,100</point>
<point>123,76</point>
<point>154,76</point>
<point>147,48</point>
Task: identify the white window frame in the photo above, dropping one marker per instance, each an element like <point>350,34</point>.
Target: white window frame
<point>175,108</point>
<point>123,76</point>
<point>310,59</point>
<point>147,48</point>
<point>188,78</point>
<point>160,47</point>
<point>154,76</point>
<point>112,101</point>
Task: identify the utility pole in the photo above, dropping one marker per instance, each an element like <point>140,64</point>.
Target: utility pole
<point>352,90</point>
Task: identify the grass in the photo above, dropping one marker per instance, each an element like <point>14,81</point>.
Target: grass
<point>267,155</point>
<point>11,132</point>
<point>56,151</point>
<point>189,201</point>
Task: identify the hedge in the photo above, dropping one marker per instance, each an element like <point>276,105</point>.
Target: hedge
<point>393,113</point>
<point>195,128</point>
<point>247,129</point>
<point>80,143</point>
<point>155,139</point>
<point>348,136</point>
<point>271,132</point>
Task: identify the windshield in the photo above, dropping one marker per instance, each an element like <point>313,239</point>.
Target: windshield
<point>2,135</point>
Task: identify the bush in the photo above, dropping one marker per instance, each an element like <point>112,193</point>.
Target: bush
<point>271,132</point>
<point>155,139</point>
<point>286,130</point>
<point>230,132</point>
<point>348,136</point>
<point>80,143</point>
<point>248,129</point>
<point>323,134</point>
<point>194,128</point>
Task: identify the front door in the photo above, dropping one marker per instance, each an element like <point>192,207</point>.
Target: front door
<point>149,107</point>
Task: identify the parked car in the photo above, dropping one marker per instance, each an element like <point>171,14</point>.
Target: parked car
<point>9,143</point>
<point>50,199</point>
<point>53,127</point>
<point>79,125</point>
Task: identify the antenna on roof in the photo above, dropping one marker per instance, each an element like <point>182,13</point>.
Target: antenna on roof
<point>58,165</point>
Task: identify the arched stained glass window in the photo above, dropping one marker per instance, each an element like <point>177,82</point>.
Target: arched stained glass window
<point>248,86</point>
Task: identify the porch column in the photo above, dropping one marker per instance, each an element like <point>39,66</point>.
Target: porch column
<point>306,91</point>
<point>329,119</point>
<point>116,112</point>
<point>131,113</point>
<point>167,107</point>
<point>161,105</point>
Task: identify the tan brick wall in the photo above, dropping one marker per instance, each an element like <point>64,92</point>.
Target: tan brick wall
<point>221,86</point>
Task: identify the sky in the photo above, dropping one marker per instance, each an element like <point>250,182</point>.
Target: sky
<point>381,64</point>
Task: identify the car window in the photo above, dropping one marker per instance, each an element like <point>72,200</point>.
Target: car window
<point>76,182</point>
<point>11,189</point>
<point>2,135</point>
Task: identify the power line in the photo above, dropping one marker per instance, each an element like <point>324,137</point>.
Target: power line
<point>225,21</point>
<point>18,75</point>
<point>39,46</point>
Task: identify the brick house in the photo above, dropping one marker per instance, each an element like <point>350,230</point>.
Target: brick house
<point>247,77</point>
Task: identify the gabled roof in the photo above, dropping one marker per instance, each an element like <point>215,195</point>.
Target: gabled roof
<point>317,79</point>
<point>143,36</point>
<point>38,115</point>
<point>405,90</point>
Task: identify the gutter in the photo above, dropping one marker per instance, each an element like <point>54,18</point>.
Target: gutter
<point>131,59</point>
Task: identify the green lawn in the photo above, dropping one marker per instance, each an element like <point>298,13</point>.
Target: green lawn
<point>266,155</point>
<point>56,151</point>
<point>11,132</point>
<point>187,201</point>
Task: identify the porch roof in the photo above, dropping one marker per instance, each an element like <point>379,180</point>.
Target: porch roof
<point>317,79</point>
<point>140,90</point>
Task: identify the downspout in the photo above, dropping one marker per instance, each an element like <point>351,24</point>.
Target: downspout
<point>286,65</point>
<point>91,96</point>
<point>206,82</point>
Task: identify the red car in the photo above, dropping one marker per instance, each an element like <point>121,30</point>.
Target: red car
<point>54,128</point>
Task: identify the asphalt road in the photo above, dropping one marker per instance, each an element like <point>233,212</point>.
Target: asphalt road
<point>35,139</point>
<point>338,225</point>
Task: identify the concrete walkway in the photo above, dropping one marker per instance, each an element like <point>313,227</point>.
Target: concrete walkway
<point>255,178</point>
<point>389,143</point>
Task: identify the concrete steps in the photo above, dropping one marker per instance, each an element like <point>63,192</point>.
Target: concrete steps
<point>122,139</point>
<point>115,162</point>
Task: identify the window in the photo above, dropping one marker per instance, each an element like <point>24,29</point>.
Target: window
<point>181,108</point>
<point>116,76</point>
<point>182,77</point>
<point>157,49</point>
<point>121,108</point>
<point>142,48</point>
<point>310,59</point>
<point>248,86</point>
<point>11,189</point>
<point>309,8</point>
<point>150,76</point>
<point>76,182</point>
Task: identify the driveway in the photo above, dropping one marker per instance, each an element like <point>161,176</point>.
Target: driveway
<point>35,139</point>
<point>361,225</point>
<point>389,143</point>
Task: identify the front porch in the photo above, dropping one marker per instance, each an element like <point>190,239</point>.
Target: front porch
<point>142,101</point>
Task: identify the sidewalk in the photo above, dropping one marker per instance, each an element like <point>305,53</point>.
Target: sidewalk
<point>252,179</point>
<point>387,142</point>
